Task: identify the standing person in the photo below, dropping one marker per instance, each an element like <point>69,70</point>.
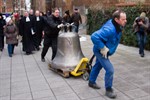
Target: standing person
<point>140,27</point>
<point>67,17</point>
<point>38,26</point>
<point>105,41</point>
<point>31,14</point>
<point>27,31</point>
<point>19,24</point>
<point>76,19</point>
<point>51,30</point>
<point>11,35</point>
<point>2,25</point>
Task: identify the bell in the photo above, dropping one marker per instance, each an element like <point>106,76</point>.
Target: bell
<point>69,51</point>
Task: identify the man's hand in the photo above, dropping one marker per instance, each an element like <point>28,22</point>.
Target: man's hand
<point>104,51</point>
<point>140,23</point>
<point>60,25</point>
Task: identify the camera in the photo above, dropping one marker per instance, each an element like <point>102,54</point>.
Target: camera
<point>138,20</point>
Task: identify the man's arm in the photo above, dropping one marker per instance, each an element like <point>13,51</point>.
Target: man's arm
<point>146,24</point>
<point>100,37</point>
<point>80,19</point>
<point>51,22</point>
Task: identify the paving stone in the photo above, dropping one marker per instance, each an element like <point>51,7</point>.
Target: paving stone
<point>146,88</point>
<point>120,96</point>
<point>5,84</point>
<point>75,81</point>
<point>62,90</point>
<point>143,98</point>
<point>70,96</point>
<point>5,98</point>
<point>47,98</point>
<point>4,92</point>
<point>25,96</point>
<point>137,93</point>
<point>20,90</point>
<point>42,94</point>
<point>125,86</point>
<point>96,98</point>
<point>88,94</point>
<point>58,84</point>
<point>39,87</point>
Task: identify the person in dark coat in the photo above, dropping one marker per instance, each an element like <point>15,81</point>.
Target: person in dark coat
<point>38,26</point>
<point>31,14</point>
<point>2,25</point>
<point>67,17</point>
<point>11,33</point>
<point>67,20</point>
<point>140,27</point>
<point>27,31</point>
<point>76,19</point>
<point>51,33</point>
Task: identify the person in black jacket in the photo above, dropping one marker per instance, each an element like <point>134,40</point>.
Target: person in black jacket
<point>38,26</point>
<point>2,24</point>
<point>52,28</point>
<point>76,19</point>
<point>27,31</point>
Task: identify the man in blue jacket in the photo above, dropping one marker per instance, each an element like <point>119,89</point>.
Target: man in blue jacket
<point>105,41</point>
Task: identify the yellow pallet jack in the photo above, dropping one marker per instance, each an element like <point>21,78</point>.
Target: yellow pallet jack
<point>80,68</point>
<point>83,68</point>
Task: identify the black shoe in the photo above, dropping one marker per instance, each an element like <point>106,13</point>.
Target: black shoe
<point>110,93</point>
<point>94,86</point>
<point>43,59</point>
<point>28,53</point>
<point>37,48</point>
<point>142,55</point>
<point>10,55</point>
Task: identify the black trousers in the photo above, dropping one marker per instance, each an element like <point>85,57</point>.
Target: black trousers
<point>49,42</point>
<point>1,42</point>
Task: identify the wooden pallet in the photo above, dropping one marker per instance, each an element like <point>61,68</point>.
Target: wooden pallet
<point>65,74</point>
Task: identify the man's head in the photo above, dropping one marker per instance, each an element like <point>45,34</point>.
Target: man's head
<point>37,13</point>
<point>56,12</point>
<point>120,17</point>
<point>76,10</point>
<point>31,12</point>
<point>26,14</point>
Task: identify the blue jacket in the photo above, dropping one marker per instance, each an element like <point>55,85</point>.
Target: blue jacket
<point>106,36</point>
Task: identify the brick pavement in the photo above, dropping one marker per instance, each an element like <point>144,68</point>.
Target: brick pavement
<point>25,77</point>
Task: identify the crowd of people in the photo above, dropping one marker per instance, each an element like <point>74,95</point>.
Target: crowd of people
<point>33,27</point>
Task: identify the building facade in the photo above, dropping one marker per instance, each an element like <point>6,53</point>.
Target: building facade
<point>9,6</point>
<point>47,5</point>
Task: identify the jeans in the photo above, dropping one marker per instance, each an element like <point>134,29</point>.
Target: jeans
<point>102,62</point>
<point>76,28</point>
<point>141,41</point>
<point>10,49</point>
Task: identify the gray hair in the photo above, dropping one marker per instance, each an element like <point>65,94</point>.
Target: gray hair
<point>117,13</point>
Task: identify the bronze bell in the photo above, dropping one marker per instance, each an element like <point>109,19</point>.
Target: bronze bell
<point>69,51</point>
